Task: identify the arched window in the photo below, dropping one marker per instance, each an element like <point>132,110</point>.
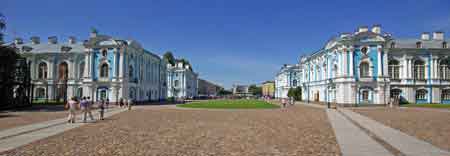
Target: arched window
<point>395,93</point>
<point>325,73</point>
<point>294,83</point>
<point>42,71</point>
<point>393,45</point>
<point>445,94</point>
<point>63,72</point>
<point>444,45</point>
<point>419,70</point>
<point>318,73</point>
<point>335,70</point>
<point>81,70</point>
<point>40,93</point>
<point>394,69</point>
<point>365,95</point>
<point>445,69</point>
<point>104,52</point>
<point>176,83</point>
<point>418,44</point>
<point>421,94</point>
<point>130,71</point>
<point>104,70</point>
<point>364,69</point>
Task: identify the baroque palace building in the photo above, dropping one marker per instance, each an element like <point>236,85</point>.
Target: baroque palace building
<point>182,81</point>
<point>100,67</point>
<point>371,67</point>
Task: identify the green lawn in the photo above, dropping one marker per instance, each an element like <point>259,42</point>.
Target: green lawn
<point>230,104</point>
<point>428,105</point>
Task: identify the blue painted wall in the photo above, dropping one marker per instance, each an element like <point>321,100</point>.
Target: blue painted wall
<point>372,54</point>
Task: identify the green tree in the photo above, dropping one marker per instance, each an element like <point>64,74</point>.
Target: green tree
<point>223,92</point>
<point>295,93</point>
<point>291,92</point>
<point>298,94</point>
<point>255,90</point>
<point>168,57</point>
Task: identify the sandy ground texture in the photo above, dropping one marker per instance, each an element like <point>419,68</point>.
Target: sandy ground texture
<point>35,114</point>
<point>428,125</point>
<point>298,130</point>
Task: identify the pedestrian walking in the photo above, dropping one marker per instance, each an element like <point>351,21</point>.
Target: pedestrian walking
<point>72,106</point>
<point>102,108</point>
<point>107,103</point>
<point>283,102</point>
<point>121,102</point>
<point>292,101</point>
<point>86,107</point>
<point>130,102</point>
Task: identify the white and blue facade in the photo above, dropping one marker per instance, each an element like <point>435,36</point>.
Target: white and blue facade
<point>288,77</point>
<point>100,67</point>
<point>182,82</point>
<point>368,67</point>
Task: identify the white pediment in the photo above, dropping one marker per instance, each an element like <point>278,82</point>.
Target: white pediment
<point>373,39</point>
<point>108,42</point>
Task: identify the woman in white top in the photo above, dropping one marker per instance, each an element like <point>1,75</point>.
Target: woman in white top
<point>72,105</point>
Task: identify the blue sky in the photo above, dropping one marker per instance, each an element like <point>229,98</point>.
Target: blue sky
<point>227,41</point>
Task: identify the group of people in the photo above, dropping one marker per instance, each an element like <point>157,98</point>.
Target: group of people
<point>286,101</point>
<point>125,103</point>
<point>86,105</point>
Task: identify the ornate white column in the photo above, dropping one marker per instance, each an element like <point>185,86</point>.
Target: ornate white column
<point>114,64</point>
<point>409,67</point>
<point>92,67</point>
<point>86,65</point>
<point>379,60</point>
<point>436,68</point>
<point>351,61</point>
<point>72,65</point>
<point>121,63</point>
<point>345,61</point>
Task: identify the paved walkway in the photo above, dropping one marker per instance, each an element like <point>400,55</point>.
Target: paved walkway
<point>354,141</point>
<point>351,139</point>
<point>406,144</point>
<point>19,136</point>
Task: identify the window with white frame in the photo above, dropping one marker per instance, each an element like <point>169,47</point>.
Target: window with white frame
<point>335,70</point>
<point>394,69</point>
<point>445,95</point>
<point>364,69</point>
<point>419,70</point>
<point>365,95</point>
<point>104,70</point>
<point>421,94</point>
<point>42,70</point>
<point>81,70</point>
<point>445,69</point>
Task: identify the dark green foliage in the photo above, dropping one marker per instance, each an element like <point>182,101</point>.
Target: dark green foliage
<point>255,90</point>
<point>296,93</point>
<point>223,92</point>
<point>168,57</point>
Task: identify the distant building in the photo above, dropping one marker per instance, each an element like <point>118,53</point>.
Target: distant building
<point>241,90</point>
<point>288,77</point>
<point>181,81</point>
<point>268,89</point>
<point>206,88</point>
